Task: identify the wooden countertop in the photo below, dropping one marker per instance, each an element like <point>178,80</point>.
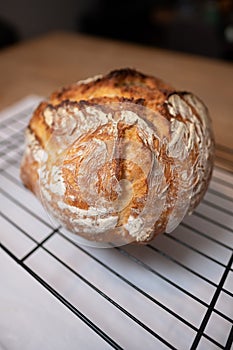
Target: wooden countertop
<point>39,66</point>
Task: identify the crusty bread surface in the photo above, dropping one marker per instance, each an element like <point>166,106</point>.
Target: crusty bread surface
<point>119,158</point>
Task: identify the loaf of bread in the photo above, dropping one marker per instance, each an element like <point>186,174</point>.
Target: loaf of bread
<point>119,158</point>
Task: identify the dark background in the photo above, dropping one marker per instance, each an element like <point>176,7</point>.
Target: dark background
<point>203,27</point>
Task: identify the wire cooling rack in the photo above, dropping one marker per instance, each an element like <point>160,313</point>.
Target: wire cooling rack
<point>174,293</point>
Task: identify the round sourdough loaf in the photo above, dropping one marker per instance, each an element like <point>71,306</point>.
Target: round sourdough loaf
<point>119,158</point>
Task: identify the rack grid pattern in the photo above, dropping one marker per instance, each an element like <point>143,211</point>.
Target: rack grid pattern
<point>174,293</point>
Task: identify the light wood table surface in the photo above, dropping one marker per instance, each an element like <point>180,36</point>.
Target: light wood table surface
<point>41,65</point>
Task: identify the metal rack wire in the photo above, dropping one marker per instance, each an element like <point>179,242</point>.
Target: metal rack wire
<point>174,293</point>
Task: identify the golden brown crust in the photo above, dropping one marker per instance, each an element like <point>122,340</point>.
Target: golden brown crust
<point>125,147</point>
<point>126,83</point>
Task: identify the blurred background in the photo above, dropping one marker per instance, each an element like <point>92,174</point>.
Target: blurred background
<point>202,27</point>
